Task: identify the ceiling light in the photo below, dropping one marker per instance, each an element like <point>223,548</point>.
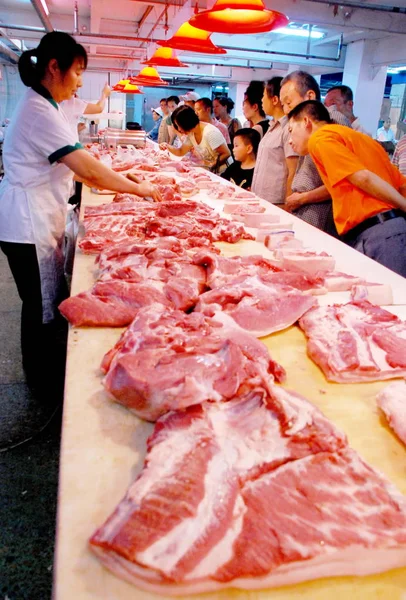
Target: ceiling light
<point>148,76</point>
<point>164,57</point>
<point>396,70</point>
<point>192,39</point>
<point>299,32</point>
<point>44,6</point>
<point>239,16</point>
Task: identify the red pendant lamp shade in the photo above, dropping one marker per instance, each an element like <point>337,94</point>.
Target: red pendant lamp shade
<point>126,87</point>
<point>239,16</point>
<point>148,77</point>
<point>192,40</point>
<point>164,57</point>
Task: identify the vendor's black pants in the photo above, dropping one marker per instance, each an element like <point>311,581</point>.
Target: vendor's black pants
<point>43,346</point>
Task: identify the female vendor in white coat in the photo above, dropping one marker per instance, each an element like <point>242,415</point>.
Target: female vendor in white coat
<point>40,155</point>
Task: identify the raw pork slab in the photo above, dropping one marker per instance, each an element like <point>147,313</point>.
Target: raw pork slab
<point>356,342</point>
<point>258,492</point>
<point>392,401</point>
<point>223,271</point>
<point>112,303</point>
<point>258,308</point>
<point>171,361</point>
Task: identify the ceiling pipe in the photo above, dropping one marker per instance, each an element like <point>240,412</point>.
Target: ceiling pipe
<point>8,53</point>
<point>155,26</point>
<point>76,18</point>
<point>144,17</point>
<point>375,7</point>
<point>278,53</point>
<point>43,17</point>
<point>148,39</point>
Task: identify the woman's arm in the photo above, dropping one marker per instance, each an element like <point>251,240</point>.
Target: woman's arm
<point>98,175</point>
<point>184,149</point>
<point>298,199</point>
<point>97,107</point>
<point>223,154</point>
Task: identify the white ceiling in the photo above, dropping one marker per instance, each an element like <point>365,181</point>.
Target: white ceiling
<point>381,20</point>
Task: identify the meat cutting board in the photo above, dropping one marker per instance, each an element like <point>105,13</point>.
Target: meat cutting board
<point>103,447</point>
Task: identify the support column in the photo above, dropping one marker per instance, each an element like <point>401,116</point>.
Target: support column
<point>366,81</point>
<point>236,92</point>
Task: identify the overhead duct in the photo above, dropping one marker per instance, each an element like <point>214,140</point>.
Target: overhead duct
<point>8,54</point>
<point>43,16</point>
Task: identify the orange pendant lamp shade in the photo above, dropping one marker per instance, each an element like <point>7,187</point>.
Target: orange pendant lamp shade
<point>192,40</point>
<point>130,88</point>
<point>239,16</point>
<point>120,85</point>
<point>148,77</point>
<point>164,57</point>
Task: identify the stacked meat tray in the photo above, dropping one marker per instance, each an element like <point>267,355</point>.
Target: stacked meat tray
<point>235,402</point>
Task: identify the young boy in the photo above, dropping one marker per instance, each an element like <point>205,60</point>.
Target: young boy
<point>245,148</point>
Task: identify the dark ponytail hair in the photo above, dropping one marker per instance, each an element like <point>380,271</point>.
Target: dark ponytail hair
<point>227,102</point>
<point>56,44</point>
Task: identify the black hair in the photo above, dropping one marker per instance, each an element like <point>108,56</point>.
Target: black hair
<point>225,101</point>
<point>207,103</point>
<point>164,100</point>
<point>346,92</point>
<point>310,108</point>
<point>54,45</point>
<point>304,82</point>
<point>273,87</point>
<point>250,136</point>
<point>173,99</point>
<point>254,93</point>
<point>185,117</point>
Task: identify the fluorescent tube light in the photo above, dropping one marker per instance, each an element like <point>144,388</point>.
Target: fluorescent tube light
<point>44,6</point>
<point>299,32</point>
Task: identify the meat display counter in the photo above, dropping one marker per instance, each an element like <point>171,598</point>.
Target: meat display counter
<point>104,445</point>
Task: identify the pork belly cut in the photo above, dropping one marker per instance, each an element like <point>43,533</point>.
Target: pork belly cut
<point>173,360</point>
<point>258,492</point>
<point>392,401</point>
<point>243,208</point>
<point>259,308</point>
<point>112,303</point>
<point>341,282</point>
<point>304,261</point>
<point>118,208</point>
<point>356,342</point>
<point>376,293</point>
<point>221,270</point>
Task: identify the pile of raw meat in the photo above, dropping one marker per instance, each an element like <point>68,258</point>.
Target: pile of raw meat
<point>245,484</point>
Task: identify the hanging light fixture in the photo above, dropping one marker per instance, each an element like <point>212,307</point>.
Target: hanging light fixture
<point>192,40</point>
<point>239,16</point>
<point>164,57</point>
<point>148,77</point>
<point>120,85</point>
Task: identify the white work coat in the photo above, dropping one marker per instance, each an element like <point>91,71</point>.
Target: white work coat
<point>35,188</point>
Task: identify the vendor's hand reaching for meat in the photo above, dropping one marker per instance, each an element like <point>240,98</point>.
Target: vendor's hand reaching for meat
<point>294,201</point>
<point>147,189</point>
<point>163,146</point>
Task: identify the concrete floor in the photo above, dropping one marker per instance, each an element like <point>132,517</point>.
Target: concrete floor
<point>28,472</point>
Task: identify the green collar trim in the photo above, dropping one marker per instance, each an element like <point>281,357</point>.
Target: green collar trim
<point>42,91</point>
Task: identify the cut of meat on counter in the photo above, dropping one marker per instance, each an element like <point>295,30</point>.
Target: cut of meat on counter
<point>376,293</point>
<point>259,308</point>
<point>156,220</point>
<point>356,342</point>
<point>258,492</point>
<point>392,401</point>
<point>224,271</point>
<point>169,361</point>
<point>112,303</point>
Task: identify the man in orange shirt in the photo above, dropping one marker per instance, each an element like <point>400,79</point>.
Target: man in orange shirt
<point>368,192</point>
